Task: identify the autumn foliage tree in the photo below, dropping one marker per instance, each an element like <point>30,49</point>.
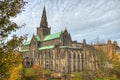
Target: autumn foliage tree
<point>8,56</point>
<point>16,73</point>
<point>38,72</point>
<point>116,65</point>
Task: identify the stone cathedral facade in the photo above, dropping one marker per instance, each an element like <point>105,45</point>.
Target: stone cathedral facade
<point>57,52</point>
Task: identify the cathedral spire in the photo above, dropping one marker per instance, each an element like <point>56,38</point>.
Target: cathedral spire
<point>43,23</point>
<point>43,30</point>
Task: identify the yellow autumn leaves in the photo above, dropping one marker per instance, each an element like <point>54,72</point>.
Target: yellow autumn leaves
<point>17,73</point>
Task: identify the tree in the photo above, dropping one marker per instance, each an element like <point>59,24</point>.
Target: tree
<point>38,72</point>
<point>17,73</point>
<point>8,9</point>
<point>116,65</point>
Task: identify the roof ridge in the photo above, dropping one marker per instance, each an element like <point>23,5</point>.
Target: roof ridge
<point>52,36</point>
<point>27,42</point>
<point>54,33</point>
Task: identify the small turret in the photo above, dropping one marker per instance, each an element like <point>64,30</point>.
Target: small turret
<point>84,42</point>
<point>115,45</point>
<point>109,42</point>
<point>65,30</point>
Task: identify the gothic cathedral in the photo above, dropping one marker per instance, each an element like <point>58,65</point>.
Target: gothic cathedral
<point>57,52</point>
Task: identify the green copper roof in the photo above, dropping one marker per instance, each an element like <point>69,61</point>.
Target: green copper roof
<point>52,36</point>
<point>68,47</point>
<point>27,42</point>
<point>24,50</point>
<point>37,37</point>
<point>47,47</point>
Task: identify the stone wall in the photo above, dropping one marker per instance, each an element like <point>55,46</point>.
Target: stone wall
<point>66,60</point>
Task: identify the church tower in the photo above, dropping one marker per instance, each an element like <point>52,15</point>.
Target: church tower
<point>43,29</point>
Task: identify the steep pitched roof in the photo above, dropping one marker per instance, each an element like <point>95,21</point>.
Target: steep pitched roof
<point>37,38</point>
<point>52,36</point>
<point>47,47</point>
<point>27,42</point>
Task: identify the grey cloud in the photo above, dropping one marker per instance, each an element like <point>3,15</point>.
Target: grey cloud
<point>84,18</point>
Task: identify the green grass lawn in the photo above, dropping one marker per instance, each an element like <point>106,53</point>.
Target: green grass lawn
<point>29,72</point>
<point>78,76</point>
<point>47,72</point>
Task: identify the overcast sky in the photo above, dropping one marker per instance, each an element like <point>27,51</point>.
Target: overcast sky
<point>84,19</point>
